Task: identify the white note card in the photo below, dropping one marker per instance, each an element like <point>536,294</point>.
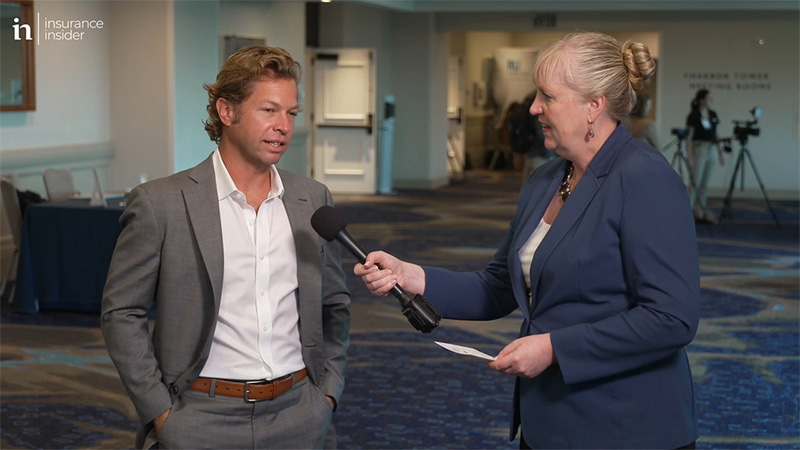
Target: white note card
<point>468,351</point>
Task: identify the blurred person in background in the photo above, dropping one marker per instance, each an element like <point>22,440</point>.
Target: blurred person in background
<point>527,140</point>
<point>639,122</point>
<point>703,151</point>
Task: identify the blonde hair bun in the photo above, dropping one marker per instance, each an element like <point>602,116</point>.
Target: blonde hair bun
<point>639,63</point>
<point>590,64</point>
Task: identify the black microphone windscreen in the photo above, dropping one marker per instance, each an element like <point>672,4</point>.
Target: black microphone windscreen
<point>327,222</point>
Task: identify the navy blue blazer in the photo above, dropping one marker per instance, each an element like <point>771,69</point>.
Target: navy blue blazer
<point>616,283</point>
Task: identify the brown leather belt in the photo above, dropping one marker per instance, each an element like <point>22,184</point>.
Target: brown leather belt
<point>250,391</point>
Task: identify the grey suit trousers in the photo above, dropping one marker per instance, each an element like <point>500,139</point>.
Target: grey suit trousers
<point>297,419</point>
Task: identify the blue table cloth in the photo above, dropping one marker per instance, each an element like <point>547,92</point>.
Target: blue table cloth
<point>64,256</point>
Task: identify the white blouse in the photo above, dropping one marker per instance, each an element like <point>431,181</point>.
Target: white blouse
<point>527,251</point>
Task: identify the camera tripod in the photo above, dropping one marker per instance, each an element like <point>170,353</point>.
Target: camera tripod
<point>740,161</point>
<point>679,161</point>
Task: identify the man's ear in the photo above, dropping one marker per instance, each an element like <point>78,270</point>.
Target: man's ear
<point>226,111</point>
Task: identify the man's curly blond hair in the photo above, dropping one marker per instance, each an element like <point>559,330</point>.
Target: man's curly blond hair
<point>235,80</point>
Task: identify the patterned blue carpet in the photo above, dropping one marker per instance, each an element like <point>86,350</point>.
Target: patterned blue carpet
<point>59,390</point>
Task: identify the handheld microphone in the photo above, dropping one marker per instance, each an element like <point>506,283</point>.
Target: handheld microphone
<point>329,224</point>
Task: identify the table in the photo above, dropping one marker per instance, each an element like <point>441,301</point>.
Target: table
<point>64,256</point>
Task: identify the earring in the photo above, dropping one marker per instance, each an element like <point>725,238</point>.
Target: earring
<point>591,131</point>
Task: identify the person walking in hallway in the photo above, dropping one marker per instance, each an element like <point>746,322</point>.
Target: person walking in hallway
<point>641,126</point>
<point>527,141</point>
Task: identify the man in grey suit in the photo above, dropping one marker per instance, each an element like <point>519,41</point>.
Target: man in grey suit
<point>248,348</point>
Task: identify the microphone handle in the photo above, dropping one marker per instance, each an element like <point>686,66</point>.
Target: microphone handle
<point>345,239</point>
<point>419,312</point>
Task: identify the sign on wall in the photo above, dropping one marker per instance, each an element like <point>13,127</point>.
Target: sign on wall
<point>511,76</point>
<point>728,81</point>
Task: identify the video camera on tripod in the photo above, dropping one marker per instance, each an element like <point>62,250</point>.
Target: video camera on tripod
<point>680,133</point>
<point>680,160</point>
<point>745,128</point>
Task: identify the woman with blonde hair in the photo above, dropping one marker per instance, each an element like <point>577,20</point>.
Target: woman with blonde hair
<point>601,258</point>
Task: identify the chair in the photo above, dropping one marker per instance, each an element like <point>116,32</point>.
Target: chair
<point>58,185</point>
<point>501,145</point>
<point>13,214</point>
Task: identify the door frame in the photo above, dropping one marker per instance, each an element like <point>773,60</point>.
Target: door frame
<point>309,102</point>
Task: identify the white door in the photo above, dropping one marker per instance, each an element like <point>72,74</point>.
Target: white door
<point>455,115</point>
<point>343,126</point>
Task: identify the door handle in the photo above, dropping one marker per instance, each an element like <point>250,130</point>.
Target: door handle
<point>367,126</point>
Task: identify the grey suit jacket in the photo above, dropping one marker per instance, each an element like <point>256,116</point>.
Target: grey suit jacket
<point>170,251</point>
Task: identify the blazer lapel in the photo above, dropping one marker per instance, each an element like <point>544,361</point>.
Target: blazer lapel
<point>570,213</point>
<point>202,208</point>
<point>299,209</point>
<point>531,214</point>
<point>577,203</point>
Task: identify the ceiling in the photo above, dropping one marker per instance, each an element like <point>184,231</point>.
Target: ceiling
<point>584,5</point>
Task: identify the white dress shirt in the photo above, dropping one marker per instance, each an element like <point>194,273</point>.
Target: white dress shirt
<point>257,334</point>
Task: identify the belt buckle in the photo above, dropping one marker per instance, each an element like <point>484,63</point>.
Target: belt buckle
<point>247,385</point>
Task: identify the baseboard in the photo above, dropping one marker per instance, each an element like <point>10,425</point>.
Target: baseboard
<point>775,194</point>
<point>421,184</point>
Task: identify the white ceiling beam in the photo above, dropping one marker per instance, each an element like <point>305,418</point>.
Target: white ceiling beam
<point>584,5</point>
